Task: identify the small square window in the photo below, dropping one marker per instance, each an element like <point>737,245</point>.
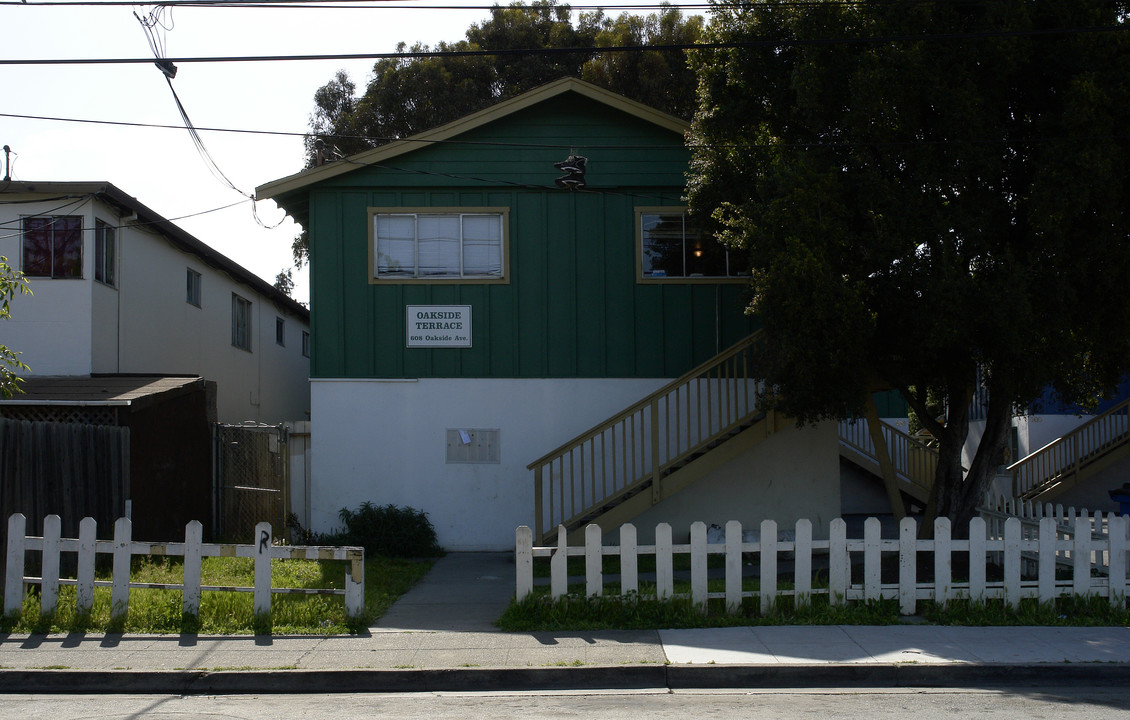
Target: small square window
<point>240,322</point>
<point>105,251</point>
<point>192,295</point>
<point>52,246</point>
<point>280,332</point>
<point>305,344</point>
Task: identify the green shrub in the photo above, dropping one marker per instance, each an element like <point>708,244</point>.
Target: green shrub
<point>386,530</point>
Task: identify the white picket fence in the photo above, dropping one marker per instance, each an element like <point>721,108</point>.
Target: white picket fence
<point>841,551</point>
<point>1030,515</point>
<point>123,548</point>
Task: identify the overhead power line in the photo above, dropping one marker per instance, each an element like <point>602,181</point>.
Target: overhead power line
<point>767,43</point>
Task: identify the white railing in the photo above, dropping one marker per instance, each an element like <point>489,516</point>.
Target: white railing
<point>841,552</point>
<point>915,462</point>
<point>1066,458</point>
<point>638,446</point>
<point>123,548</point>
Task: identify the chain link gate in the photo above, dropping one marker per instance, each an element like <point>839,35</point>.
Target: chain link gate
<point>250,480</point>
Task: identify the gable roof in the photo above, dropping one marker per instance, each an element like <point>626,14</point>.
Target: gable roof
<point>180,239</point>
<point>311,176</point>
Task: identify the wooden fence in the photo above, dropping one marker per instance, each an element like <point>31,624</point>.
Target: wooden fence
<point>69,469</point>
<point>123,548</point>
<point>842,553</point>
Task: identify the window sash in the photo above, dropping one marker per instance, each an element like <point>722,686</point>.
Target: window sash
<point>192,289</point>
<point>104,252</point>
<point>438,245</point>
<point>240,322</point>
<point>673,247</point>
<point>52,246</point>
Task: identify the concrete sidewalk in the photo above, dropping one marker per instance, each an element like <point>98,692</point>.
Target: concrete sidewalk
<point>440,636</point>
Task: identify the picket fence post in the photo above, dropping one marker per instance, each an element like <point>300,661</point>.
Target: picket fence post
<point>698,565</point>
<point>629,560</point>
<point>733,566</point>
<point>839,563</point>
<point>664,575</point>
<point>908,566</point>
<point>523,562</point>
<point>119,594</point>
<point>355,586</point>
<point>977,560</point>
<point>49,581</point>
<point>872,559</point>
<point>87,547</point>
<point>1049,539</point>
<point>14,579</point>
<point>768,566</point>
<point>1081,556</point>
<point>943,562</point>
<point>1012,562</point>
<point>193,537</point>
<point>594,562</point>
<point>263,568</point>
<point>802,563</point>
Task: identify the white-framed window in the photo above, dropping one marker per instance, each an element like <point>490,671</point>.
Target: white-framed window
<point>438,244</point>
<point>671,246</point>
<point>305,344</point>
<point>52,246</point>
<point>280,332</point>
<point>240,322</point>
<point>192,292</point>
<point>105,253</point>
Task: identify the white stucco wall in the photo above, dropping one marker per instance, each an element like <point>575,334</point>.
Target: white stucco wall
<point>793,474</point>
<point>52,327</point>
<point>384,442</point>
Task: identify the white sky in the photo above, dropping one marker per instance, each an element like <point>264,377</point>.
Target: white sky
<point>160,167</point>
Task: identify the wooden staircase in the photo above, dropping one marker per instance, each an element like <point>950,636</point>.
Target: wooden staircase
<point>915,462</point>
<point>1071,459</point>
<point>653,449</point>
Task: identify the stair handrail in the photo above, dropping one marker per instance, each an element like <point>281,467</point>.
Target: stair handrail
<point>1071,442</point>
<point>632,448</point>
<point>665,390</point>
<point>902,461</point>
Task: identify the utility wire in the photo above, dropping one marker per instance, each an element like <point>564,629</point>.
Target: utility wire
<point>768,43</point>
<point>1030,140</point>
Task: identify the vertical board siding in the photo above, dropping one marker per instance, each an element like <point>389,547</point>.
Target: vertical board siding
<point>572,306</point>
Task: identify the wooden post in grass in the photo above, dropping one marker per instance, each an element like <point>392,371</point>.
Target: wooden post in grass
<point>87,545</point>
<point>355,584</point>
<point>190,597</point>
<point>523,562</point>
<point>14,579</point>
<point>49,587</point>
<point>119,595</point>
<point>262,569</point>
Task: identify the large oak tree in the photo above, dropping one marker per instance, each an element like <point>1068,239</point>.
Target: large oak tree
<point>925,189</point>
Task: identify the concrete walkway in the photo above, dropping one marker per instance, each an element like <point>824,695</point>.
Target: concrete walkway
<point>440,636</point>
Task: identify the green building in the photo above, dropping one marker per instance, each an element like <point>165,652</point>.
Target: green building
<point>487,291</point>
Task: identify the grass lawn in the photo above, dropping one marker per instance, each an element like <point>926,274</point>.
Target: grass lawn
<point>159,611</point>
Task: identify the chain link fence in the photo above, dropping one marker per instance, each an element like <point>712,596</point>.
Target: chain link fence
<point>251,478</point>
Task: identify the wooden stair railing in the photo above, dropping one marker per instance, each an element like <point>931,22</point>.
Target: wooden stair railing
<point>916,463</point>
<point>1063,461</point>
<point>635,449</point>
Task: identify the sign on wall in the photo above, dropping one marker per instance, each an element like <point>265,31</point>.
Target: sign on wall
<point>438,326</point>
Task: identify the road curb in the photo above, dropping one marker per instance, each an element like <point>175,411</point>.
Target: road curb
<point>674,677</point>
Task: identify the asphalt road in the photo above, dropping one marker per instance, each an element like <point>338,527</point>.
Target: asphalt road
<point>1058,703</point>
